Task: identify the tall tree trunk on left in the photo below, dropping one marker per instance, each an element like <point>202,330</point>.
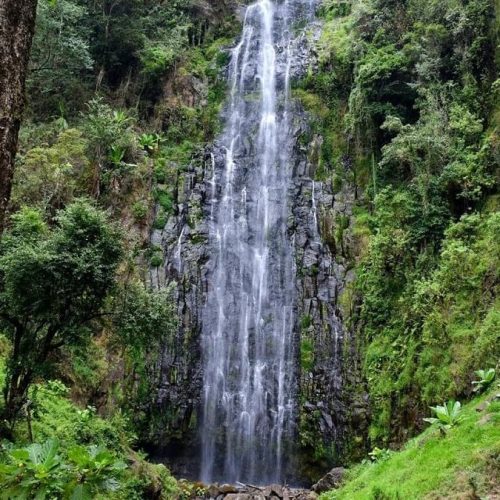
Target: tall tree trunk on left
<point>17,26</point>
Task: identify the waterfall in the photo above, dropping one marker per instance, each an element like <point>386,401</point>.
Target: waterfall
<point>248,348</point>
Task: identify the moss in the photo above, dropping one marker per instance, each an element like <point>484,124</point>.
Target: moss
<point>439,330</point>
<point>164,199</point>
<point>433,466</point>
<point>337,184</point>
<point>306,355</point>
<point>198,239</point>
<point>161,220</point>
<point>305,322</point>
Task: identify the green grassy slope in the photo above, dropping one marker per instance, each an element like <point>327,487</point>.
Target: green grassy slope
<point>463,464</point>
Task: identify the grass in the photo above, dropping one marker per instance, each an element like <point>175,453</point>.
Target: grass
<point>462,464</point>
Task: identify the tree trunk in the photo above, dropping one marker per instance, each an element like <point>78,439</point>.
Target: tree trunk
<point>17,26</point>
<point>16,394</point>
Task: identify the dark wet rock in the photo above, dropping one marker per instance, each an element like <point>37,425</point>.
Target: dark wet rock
<point>246,496</point>
<point>331,481</point>
<point>249,492</point>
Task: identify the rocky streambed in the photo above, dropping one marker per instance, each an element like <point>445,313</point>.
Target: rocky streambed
<point>250,492</point>
<point>242,491</point>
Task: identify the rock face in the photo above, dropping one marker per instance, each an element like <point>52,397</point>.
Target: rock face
<point>318,222</point>
<point>331,481</point>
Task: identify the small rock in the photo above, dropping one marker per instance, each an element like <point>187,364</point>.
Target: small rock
<point>274,490</point>
<point>213,491</point>
<point>243,496</point>
<point>303,495</point>
<point>486,419</point>
<point>482,406</point>
<point>331,481</point>
<point>228,488</point>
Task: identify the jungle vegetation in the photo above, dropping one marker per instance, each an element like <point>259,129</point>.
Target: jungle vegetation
<point>119,97</point>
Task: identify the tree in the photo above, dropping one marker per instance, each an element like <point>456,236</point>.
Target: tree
<point>145,323</point>
<point>61,67</point>
<point>53,283</point>
<point>17,26</point>
<point>50,177</point>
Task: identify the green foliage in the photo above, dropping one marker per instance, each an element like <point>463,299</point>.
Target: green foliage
<point>61,61</point>
<point>406,83</point>
<point>50,177</point>
<point>55,415</point>
<point>191,490</point>
<point>150,142</point>
<point>94,470</point>
<point>53,282</point>
<point>446,323</point>
<point>145,321</point>
<point>97,445</point>
<point>140,211</point>
<point>78,39</point>
<point>157,58</point>
<point>156,260</point>
<point>447,416</point>
<point>165,200</point>
<point>39,471</point>
<point>306,355</point>
<point>378,455</point>
<point>33,472</point>
<point>432,467</point>
<point>486,378</point>
<point>109,131</point>
<point>144,317</point>
<point>160,220</point>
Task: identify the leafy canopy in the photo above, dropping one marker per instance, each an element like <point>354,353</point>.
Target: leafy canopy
<point>53,283</point>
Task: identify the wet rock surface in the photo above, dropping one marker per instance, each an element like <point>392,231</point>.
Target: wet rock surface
<point>330,481</point>
<point>322,260</point>
<point>250,492</point>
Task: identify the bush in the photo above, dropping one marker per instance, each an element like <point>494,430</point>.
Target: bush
<point>486,378</point>
<point>140,211</point>
<point>447,416</point>
<point>41,471</point>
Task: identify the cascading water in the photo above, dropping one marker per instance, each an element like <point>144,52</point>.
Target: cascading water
<point>248,348</point>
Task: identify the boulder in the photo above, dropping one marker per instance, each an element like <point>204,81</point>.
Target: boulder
<point>273,491</point>
<point>331,481</point>
<point>213,491</point>
<point>303,495</point>
<point>228,488</point>
<point>243,496</point>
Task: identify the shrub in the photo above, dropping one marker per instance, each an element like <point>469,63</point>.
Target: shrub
<point>447,416</point>
<point>150,142</point>
<point>156,260</point>
<point>161,220</point>
<point>486,378</point>
<point>140,210</point>
<point>378,454</point>
<point>40,471</point>
<point>34,471</point>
